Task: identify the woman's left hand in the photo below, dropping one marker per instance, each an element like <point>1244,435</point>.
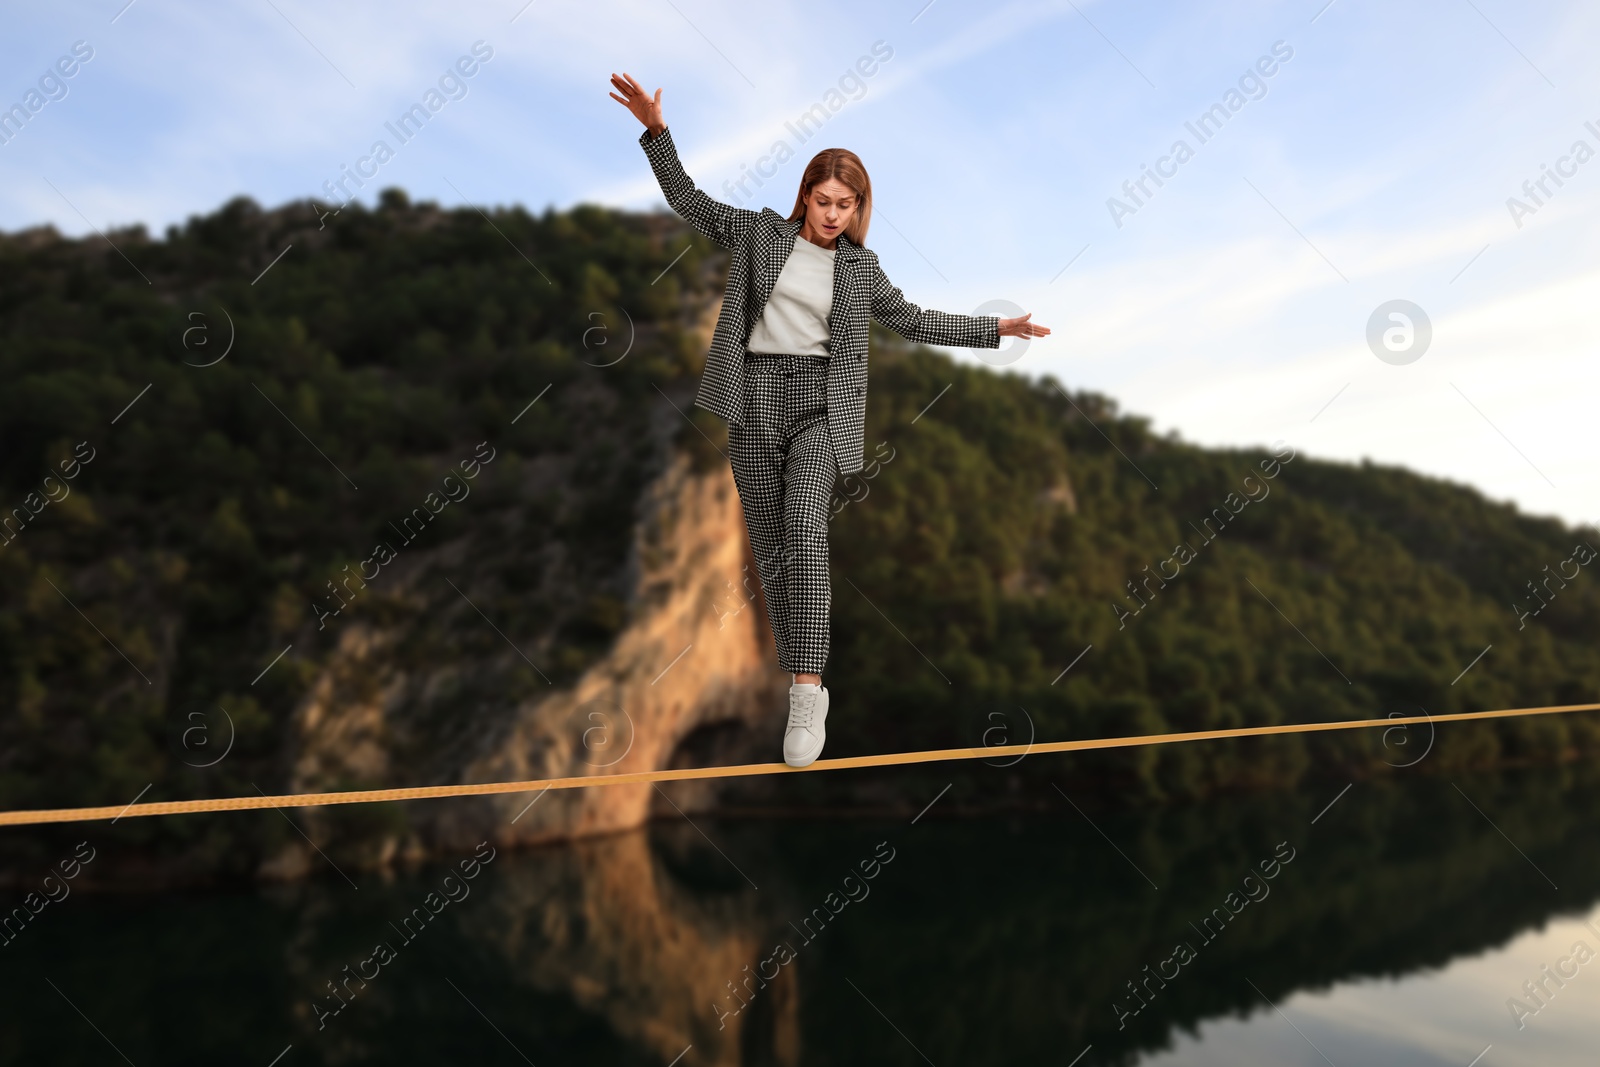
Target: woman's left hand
<point>1021,327</point>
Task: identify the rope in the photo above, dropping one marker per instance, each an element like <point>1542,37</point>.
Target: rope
<point>427,792</point>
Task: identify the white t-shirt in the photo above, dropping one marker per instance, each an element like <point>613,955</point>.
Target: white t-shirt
<point>795,319</point>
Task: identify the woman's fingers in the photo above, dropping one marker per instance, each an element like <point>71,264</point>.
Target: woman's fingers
<point>635,99</point>
<point>645,108</point>
<point>1021,327</point>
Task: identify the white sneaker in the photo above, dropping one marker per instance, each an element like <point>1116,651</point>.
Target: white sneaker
<point>808,715</point>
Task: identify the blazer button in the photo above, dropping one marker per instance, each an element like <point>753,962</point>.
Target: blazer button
<point>859,390</point>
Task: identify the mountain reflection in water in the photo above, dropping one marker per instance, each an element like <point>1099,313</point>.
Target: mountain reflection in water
<point>1412,910</point>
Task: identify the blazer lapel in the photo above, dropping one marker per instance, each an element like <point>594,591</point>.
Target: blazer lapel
<point>767,277</point>
<point>844,263</point>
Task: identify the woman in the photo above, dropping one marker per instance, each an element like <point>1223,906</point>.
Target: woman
<point>788,371</point>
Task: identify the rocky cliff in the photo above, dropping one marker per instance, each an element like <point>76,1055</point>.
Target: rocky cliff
<point>690,679</point>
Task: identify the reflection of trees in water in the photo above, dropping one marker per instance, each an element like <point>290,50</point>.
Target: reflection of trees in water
<point>1035,929</point>
<point>1000,942</point>
<point>987,941</point>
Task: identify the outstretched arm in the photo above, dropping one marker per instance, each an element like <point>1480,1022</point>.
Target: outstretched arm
<point>929,327</point>
<point>717,221</point>
<point>926,326</point>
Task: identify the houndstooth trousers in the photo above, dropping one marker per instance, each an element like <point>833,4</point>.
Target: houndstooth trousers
<point>785,468</point>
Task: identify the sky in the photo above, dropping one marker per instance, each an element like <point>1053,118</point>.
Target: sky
<point>1359,153</point>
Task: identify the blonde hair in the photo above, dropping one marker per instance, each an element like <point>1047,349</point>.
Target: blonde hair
<point>846,166</point>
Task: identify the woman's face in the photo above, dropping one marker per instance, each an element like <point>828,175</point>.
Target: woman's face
<point>829,209</point>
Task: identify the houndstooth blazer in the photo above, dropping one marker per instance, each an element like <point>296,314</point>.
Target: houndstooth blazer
<point>761,242</point>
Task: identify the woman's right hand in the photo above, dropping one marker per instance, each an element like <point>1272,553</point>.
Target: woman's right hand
<point>636,100</point>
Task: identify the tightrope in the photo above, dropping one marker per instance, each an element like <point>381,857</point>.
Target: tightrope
<point>889,759</point>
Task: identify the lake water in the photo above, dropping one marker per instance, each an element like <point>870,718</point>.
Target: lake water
<point>1389,923</point>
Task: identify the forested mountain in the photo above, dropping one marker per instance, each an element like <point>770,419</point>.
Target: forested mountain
<point>204,440</point>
